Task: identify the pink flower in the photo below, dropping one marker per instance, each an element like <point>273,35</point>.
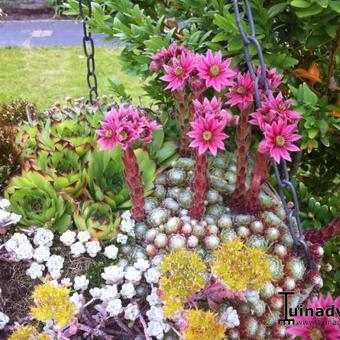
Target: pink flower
<point>207,134</point>
<point>283,108</point>
<point>273,78</point>
<point>163,56</point>
<point>212,107</point>
<point>123,127</point>
<point>180,70</point>
<point>242,92</point>
<point>264,116</point>
<point>215,71</point>
<point>273,109</point>
<point>318,327</point>
<point>279,138</point>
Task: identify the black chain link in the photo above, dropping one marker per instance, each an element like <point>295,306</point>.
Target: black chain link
<point>88,46</point>
<point>292,208</point>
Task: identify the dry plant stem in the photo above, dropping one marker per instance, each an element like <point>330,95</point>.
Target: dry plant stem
<point>259,175</point>
<point>243,139</point>
<point>134,181</point>
<point>199,186</point>
<point>185,114</point>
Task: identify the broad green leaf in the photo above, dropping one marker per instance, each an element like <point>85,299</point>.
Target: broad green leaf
<point>226,22</point>
<point>300,4</point>
<point>277,9</point>
<point>221,36</point>
<point>307,12</point>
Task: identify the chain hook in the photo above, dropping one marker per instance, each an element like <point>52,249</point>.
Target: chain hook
<point>88,47</point>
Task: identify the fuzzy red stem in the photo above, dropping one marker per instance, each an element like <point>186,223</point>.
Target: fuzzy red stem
<point>324,234</point>
<point>199,186</point>
<point>183,103</point>
<point>134,182</point>
<point>243,139</point>
<point>259,175</point>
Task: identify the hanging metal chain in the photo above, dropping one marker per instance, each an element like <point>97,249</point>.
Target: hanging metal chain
<point>88,46</point>
<point>292,208</point>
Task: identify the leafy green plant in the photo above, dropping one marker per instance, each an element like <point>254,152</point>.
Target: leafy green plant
<point>97,218</point>
<point>33,196</point>
<point>105,177</point>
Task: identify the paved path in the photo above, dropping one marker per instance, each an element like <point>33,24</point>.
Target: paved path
<point>44,33</point>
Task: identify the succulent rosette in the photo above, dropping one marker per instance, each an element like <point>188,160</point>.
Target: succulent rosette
<point>33,196</point>
<point>105,176</point>
<point>65,167</point>
<point>97,218</point>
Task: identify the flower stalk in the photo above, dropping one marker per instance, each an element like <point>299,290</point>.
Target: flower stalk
<point>184,107</point>
<point>243,140</point>
<point>134,181</point>
<point>199,186</point>
<point>259,175</point>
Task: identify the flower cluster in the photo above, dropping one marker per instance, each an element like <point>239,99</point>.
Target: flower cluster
<point>52,302</point>
<point>80,243</point>
<point>28,332</point>
<point>183,275</point>
<point>240,267</point>
<point>123,127</point>
<point>203,325</point>
<point>278,122</point>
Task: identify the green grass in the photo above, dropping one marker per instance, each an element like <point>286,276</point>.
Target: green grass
<point>46,75</point>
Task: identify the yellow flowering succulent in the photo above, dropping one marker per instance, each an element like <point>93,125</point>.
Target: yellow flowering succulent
<point>28,333</point>
<point>203,325</point>
<point>183,275</point>
<point>241,267</point>
<point>53,303</point>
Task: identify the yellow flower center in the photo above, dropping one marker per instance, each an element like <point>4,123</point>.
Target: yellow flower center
<point>282,106</point>
<point>241,90</point>
<point>108,133</point>
<point>214,70</point>
<point>178,71</point>
<point>316,334</point>
<point>280,140</point>
<point>207,135</point>
<point>124,135</point>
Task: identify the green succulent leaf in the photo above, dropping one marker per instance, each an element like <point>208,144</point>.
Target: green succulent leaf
<point>33,196</point>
